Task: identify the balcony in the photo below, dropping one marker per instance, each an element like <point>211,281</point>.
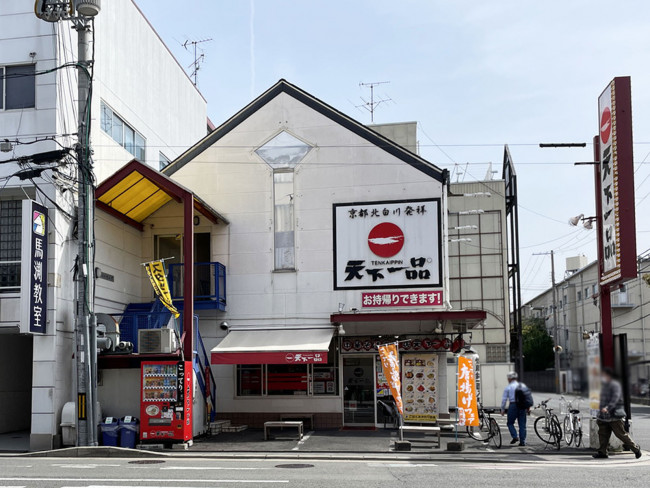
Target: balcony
<point>209,285</point>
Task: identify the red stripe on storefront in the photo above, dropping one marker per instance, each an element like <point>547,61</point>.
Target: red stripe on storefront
<point>298,357</point>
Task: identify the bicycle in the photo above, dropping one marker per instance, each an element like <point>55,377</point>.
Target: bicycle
<point>488,430</point>
<point>547,427</point>
<point>572,423</point>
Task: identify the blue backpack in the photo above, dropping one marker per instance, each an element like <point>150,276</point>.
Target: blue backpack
<point>523,397</point>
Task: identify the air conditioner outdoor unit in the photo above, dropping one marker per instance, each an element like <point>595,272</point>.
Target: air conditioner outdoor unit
<point>156,341</point>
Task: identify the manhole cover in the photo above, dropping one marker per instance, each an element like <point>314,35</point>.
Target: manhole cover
<point>294,466</point>
<point>147,461</point>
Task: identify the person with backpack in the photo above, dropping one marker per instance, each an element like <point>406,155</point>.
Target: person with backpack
<point>519,399</point>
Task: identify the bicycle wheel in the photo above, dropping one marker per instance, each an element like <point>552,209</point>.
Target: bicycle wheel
<point>494,438</point>
<point>568,430</point>
<point>480,432</point>
<point>556,432</point>
<point>543,430</point>
<point>577,430</point>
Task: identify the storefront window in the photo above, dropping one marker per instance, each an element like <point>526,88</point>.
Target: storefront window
<point>249,380</point>
<point>286,379</point>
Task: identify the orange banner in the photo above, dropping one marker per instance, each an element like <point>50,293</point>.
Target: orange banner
<point>467,408</point>
<point>390,365</point>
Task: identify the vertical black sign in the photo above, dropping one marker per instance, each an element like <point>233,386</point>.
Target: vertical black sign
<point>36,275</point>
<point>180,383</point>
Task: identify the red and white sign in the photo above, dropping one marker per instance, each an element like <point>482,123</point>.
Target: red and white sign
<point>276,357</point>
<point>402,299</point>
<point>615,183</point>
<point>387,244</point>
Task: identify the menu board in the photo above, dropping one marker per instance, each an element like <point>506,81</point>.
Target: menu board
<point>420,387</point>
<point>159,382</point>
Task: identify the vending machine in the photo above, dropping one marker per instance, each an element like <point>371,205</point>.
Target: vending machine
<point>166,401</point>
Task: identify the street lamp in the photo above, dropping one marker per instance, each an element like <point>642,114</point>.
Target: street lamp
<point>587,222</point>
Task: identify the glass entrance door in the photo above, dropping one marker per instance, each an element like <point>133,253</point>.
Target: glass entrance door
<point>359,390</point>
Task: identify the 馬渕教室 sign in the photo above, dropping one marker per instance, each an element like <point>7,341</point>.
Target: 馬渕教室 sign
<point>34,268</point>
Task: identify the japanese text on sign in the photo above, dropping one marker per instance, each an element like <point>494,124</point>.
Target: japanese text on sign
<point>467,405</point>
<point>402,299</point>
<point>390,366</point>
<point>34,260</point>
<point>305,357</point>
<point>156,273</point>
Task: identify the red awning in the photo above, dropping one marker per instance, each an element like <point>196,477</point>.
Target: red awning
<point>279,345</point>
<point>470,317</point>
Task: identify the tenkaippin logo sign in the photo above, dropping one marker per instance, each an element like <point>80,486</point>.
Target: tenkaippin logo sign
<point>391,244</point>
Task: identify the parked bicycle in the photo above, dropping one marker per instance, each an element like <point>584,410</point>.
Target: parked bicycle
<point>547,427</point>
<point>572,422</point>
<point>488,430</point>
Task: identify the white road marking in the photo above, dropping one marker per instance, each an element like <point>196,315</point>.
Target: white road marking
<point>303,440</point>
<point>202,468</point>
<point>86,466</point>
<point>139,480</point>
<point>401,465</point>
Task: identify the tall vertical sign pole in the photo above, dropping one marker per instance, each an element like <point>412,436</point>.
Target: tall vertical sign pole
<point>86,356</point>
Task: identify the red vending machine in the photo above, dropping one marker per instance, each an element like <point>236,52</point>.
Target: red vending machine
<point>166,401</point>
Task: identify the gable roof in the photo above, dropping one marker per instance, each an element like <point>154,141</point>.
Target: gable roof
<point>319,106</point>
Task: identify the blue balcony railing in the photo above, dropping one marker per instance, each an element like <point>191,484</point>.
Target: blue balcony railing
<point>209,285</point>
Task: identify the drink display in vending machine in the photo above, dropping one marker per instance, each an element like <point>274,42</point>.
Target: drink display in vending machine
<point>166,401</point>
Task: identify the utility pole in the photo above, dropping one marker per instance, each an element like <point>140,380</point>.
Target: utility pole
<point>85,324</point>
<point>556,334</point>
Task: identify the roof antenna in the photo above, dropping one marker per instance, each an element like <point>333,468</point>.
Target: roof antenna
<point>197,60</point>
<point>371,105</point>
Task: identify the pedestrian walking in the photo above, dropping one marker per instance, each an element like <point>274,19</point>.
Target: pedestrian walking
<point>611,416</point>
<point>514,410</point>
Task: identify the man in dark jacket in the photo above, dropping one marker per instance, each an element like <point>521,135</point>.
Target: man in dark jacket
<point>611,415</point>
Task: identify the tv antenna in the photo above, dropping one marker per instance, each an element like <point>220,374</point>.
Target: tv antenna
<point>371,105</point>
<point>196,65</point>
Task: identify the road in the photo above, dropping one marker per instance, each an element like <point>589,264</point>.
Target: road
<point>211,473</point>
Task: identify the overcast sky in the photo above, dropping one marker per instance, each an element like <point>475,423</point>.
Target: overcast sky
<point>475,75</point>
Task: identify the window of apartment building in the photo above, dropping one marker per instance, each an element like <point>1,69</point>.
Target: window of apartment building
<point>17,87</point>
<point>594,290</point>
<point>496,353</point>
<point>122,133</point>
<point>10,244</point>
<point>163,161</point>
<point>586,293</point>
<point>289,379</point>
<point>283,153</point>
<point>579,296</point>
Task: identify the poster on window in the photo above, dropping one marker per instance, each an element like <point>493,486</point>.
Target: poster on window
<point>35,227</point>
<point>420,387</point>
<point>389,244</point>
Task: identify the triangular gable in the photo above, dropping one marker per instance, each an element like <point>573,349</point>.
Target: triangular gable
<point>319,106</point>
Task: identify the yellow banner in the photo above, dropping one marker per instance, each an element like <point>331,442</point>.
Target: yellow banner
<point>156,272</point>
<point>390,366</point>
<point>467,407</point>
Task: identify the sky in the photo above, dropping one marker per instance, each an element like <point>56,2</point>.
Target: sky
<point>475,75</point>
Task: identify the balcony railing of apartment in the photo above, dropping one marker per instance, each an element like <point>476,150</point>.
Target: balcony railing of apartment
<point>209,285</point>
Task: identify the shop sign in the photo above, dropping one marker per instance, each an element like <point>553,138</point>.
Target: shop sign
<point>432,344</point>
<point>420,387</point>
<point>389,244</point>
<point>389,356</point>
<point>593,374</point>
<point>35,227</point>
<point>402,299</point>
<point>467,406</point>
<point>615,188</point>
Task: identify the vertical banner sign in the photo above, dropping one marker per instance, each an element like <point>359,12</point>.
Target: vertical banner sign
<point>593,374</point>
<point>156,273</point>
<point>616,196</point>
<point>467,407</point>
<point>34,268</point>
<point>390,366</point>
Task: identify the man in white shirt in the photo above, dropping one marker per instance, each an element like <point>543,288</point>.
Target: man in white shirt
<point>514,412</point>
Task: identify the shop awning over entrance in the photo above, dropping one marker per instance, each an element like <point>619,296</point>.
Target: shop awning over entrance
<point>274,346</point>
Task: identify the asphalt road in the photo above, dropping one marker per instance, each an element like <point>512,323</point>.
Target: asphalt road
<point>204,473</point>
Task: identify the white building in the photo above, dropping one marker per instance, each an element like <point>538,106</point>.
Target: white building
<point>136,79</point>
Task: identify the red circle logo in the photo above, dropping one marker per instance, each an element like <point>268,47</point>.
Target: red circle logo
<point>605,125</point>
<point>385,240</point>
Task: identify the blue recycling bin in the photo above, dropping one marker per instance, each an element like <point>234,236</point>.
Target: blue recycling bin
<point>110,428</point>
<point>129,430</point>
